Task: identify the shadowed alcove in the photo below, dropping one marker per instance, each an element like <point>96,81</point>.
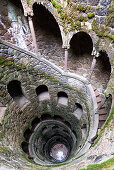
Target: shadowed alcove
<point>15,91</point>
<point>81,43</point>
<point>47,33</point>
<point>42,92</point>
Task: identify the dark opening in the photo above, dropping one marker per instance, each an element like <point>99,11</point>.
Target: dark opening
<point>57,117</point>
<point>68,124</point>
<point>27,134</point>
<point>42,92</point>
<point>104,61</point>
<point>35,122</point>
<point>102,69</point>
<point>17,3</point>
<point>81,43</point>
<point>62,98</point>
<point>78,111</point>
<point>48,34</point>
<point>24,146</point>
<point>45,116</point>
<point>78,106</point>
<point>14,89</point>
<point>44,19</point>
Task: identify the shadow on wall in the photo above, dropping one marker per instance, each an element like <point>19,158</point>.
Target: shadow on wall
<point>81,43</point>
<point>48,34</point>
<point>102,69</point>
<point>62,98</point>
<point>42,93</point>
<point>15,91</point>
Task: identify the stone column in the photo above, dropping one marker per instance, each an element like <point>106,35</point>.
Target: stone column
<point>92,68</point>
<point>33,33</point>
<point>66,58</point>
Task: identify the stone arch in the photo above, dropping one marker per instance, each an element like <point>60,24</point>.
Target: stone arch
<point>48,33</point>
<point>80,53</point>
<point>81,43</point>
<point>104,66</point>
<point>15,90</point>
<point>42,92</point>
<point>62,98</point>
<point>78,110</point>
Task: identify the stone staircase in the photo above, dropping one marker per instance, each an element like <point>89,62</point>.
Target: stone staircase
<point>103,115</point>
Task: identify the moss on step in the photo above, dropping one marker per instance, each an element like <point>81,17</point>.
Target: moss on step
<point>104,126</point>
<point>105,165</point>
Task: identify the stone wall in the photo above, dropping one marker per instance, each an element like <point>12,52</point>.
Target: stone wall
<point>14,25</point>
<point>31,76</point>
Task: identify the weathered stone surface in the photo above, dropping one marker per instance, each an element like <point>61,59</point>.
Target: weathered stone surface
<point>93,2</point>
<point>103,3</point>
<point>102,11</point>
<point>51,49</point>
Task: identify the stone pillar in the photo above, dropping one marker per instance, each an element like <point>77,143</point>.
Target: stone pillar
<point>33,33</point>
<point>92,68</point>
<point>66,58</point>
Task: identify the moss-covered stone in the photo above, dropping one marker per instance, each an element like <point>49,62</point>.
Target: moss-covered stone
<point>91,15</point>
<point>105,165</point>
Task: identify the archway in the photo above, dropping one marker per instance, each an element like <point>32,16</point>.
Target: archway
<point>81,43</point>
<point>42,92</point>
<point>15,91</point>
<point>48,34</point>
<point>80,59</point>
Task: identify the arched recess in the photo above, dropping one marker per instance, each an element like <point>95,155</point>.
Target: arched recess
<point>48,34</point>
<point>15,91</point>
<point>81,43</point>
<point>62,98</point>
<point>102,70</point>
<point>42,92</point>
<point>80,59</point>
<point>78,110</point>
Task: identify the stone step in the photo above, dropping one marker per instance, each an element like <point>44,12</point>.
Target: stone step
<point>102,111</point>
<point>94,88</point>
<point>96,93</point>
<point>103,117</point>
<point>98,99</point>
<point>101,124</point>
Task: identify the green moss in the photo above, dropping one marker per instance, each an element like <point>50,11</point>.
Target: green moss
<point>103,32</point>
<point>30,69</point>
<point>62,15</point>
<point>106,164</point>
<point>80,7</point>
<point>24,67</point>
<point>105,125</point>
<point>91,15</point>
<point>2,149</point>
<point>9,63</point>
<point>75,7</point>
<point>81,18</point>
<point>28,1</point>
<point>2,61</point>
<point>69,19</point>
<point>56,5</point>
<point>84,8</point>
<point>110,9</point>
<point>99,7</point>
<point>76,25</point>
